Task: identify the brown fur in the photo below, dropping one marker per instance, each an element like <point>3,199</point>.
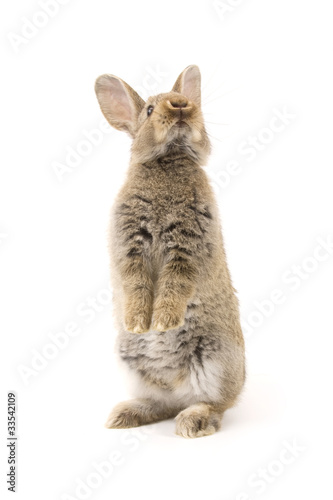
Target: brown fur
<point>169,272</point>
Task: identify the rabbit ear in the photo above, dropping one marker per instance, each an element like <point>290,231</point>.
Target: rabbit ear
<point>119,103</point>
<point>189,84</point>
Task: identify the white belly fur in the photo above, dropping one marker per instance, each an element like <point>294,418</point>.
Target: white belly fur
<point>202,384</point>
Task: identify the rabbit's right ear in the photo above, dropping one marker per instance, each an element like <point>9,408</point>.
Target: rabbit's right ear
<point>188,83</point>
<point>120,104</point>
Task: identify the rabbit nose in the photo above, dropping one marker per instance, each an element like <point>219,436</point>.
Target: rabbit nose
<point>179,103</point>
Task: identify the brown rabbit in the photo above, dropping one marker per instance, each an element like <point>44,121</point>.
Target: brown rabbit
<point>176,310</point>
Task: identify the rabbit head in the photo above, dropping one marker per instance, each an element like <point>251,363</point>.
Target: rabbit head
<point>165,124</point>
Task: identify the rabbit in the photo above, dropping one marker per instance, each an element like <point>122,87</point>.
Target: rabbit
<point>177,315</point>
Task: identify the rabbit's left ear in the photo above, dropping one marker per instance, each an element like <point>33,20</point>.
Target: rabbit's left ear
<point>189,84</point>
<point>120,104</point>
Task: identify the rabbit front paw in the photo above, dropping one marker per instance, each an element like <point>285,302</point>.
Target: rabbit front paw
<point>138,322</point>
<point>168,318</point>
<point>138,313</point>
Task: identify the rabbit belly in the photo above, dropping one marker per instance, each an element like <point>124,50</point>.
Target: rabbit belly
<point>178,373</point>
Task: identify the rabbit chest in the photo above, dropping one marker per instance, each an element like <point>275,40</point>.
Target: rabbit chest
<point>166,210</point>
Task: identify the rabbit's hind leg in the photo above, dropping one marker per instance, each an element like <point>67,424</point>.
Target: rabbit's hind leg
<point>136,412</point>
<point>200,419</point>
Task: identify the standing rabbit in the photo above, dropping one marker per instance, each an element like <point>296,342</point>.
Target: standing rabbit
<point>176,310</point>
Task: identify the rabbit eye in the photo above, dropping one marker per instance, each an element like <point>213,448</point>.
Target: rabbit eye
<point>150,110</point>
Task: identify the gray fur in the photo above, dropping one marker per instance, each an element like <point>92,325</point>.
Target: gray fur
<point>176,311</point>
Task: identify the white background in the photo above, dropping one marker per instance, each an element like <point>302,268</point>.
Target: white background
<point>257,57</point>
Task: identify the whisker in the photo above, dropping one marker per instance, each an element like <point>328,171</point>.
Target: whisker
<point>214,123</point>
<point>215,138</point>
<point>209,134</point>
<point>224,137</point>
<point>209,113</point>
